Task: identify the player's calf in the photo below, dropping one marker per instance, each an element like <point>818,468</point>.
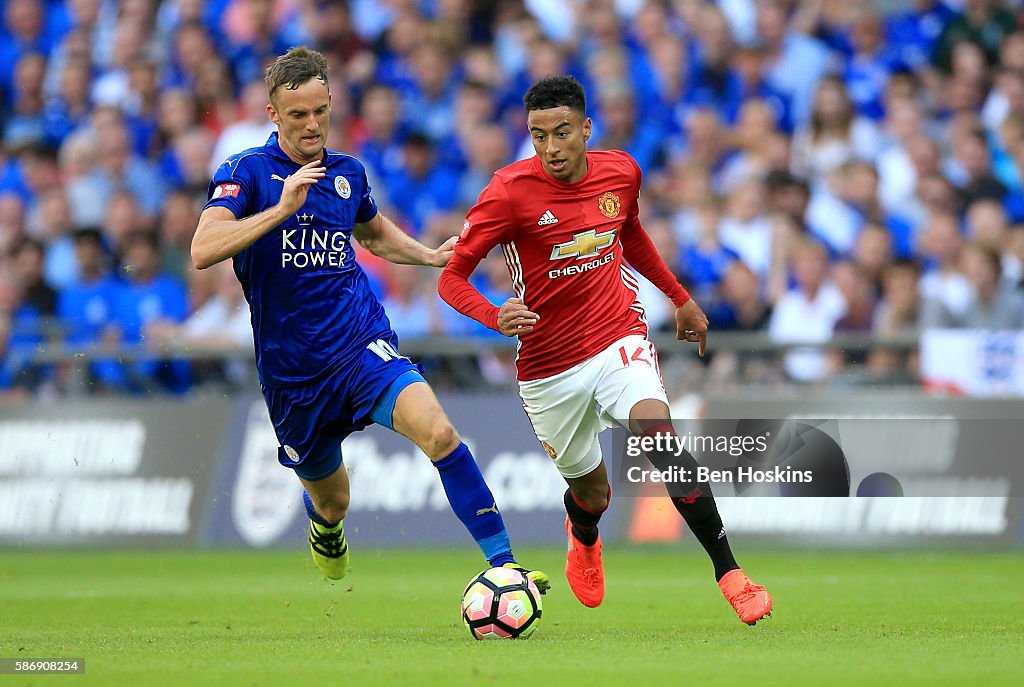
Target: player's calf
<point>695,502</point>
<point>585,512</point>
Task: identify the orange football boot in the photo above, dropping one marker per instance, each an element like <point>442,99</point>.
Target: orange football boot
<point>752,602</point>
<point>584,570</point>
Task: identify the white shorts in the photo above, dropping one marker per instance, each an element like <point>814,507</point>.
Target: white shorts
<point>568,410</point>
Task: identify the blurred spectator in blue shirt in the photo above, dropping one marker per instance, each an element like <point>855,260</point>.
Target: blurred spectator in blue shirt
<point>743,306</point>
<point>120,168</point>
<point>871,64</point>
<point>257,31</point>
<point>410,302</point>
<point>25,119</point>
<point>186,161</point>
<point>112,87</point>
<point>475,106</point>
<point>381,150</point>
<point>748,66</point>
<point>23,32</point>
<point>423,187</point>
<point>795,61</point>
<point>86,307</point>
<point>703,262</point>
<point>668,57</point>
<point>218,322</point>
<point>914,32</point>
<point>407,32</point>
<point>488,150</point>
<point>713,83</point>
<point>618,127</point>
<point>29,320</point>
<point>429,104</point>
<point>148,297</point>
<point>703,141</point>
<point>69,107</point>
<point>192,47</point>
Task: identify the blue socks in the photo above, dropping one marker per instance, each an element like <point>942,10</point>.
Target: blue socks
<point>470,498</point>
<point>473,503</point>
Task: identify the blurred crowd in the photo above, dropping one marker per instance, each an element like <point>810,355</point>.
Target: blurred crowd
<point>810,167</point>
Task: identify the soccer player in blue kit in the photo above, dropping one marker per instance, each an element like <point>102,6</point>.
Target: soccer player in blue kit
<point>327,357</point>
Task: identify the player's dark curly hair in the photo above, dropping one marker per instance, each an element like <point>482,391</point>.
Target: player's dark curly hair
<point>294,68</point>
<point>556,91</point>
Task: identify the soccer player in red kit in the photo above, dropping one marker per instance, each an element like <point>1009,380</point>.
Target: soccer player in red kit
<point>567,222</point>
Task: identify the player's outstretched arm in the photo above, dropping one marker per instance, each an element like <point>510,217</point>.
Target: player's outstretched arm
<point>220,235</point>
<point>383,238</point>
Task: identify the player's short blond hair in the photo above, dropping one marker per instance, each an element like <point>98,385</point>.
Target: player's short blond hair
<point>294,68</point>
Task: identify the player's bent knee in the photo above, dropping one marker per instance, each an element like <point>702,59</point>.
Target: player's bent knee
<point>442,440</point>
<point>595,500</point>
<point>597,503</point>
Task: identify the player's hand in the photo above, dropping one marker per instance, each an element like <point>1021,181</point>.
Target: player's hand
<point>515,319</point>
<point>692,325</point>
<point>296,186</point>
<point>443,253</point>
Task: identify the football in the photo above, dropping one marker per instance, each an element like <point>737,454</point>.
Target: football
<point>501,603</point>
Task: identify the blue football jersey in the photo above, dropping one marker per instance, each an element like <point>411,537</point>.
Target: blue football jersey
<point>311,303</point>
<point>86,308</point>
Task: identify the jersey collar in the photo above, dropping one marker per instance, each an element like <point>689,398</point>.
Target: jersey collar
<point>274,150</point>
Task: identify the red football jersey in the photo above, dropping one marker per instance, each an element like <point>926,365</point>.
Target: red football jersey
<point>564,245</point>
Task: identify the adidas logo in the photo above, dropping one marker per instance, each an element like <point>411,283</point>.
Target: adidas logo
<point>547,218</point>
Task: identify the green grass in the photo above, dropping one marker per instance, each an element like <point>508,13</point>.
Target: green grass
<point>263,618</point>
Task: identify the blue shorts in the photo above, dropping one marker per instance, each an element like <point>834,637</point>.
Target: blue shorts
<point>311,421</point>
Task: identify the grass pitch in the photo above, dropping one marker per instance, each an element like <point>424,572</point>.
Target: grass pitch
<point>264,618</point>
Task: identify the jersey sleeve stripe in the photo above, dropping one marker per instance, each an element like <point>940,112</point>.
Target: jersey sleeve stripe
<point>515,268</point>
<point>636,306</point>
<point>629,279</point>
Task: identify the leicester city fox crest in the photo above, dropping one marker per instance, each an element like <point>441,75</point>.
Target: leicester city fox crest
<point>342,186</point>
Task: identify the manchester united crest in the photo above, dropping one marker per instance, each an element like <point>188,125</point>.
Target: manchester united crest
<point>550,449</point>
<point>609,205</point>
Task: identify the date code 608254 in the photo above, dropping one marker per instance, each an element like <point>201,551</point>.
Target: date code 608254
<point>15,666</point>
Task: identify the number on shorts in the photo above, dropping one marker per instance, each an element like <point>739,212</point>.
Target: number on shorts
<point>384,350</point>
<point>639,356</point>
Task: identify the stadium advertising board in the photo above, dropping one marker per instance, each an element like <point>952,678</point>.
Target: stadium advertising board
<point>106,473</point>
<point>170,472</point>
